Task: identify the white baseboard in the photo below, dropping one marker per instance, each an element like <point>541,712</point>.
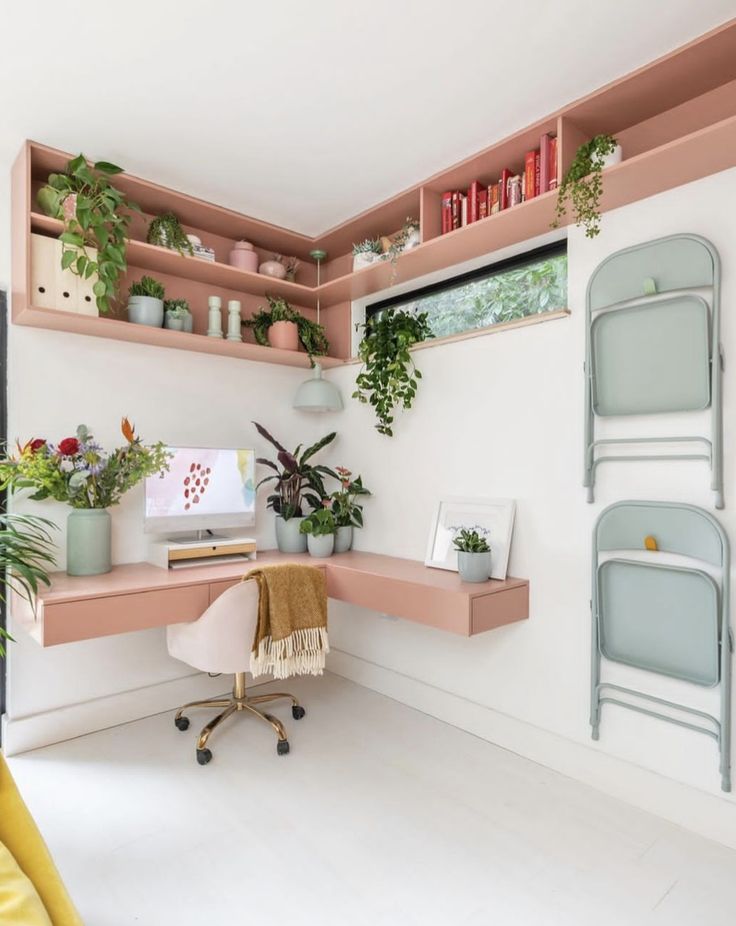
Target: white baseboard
<point>23,733</point>
<point>706,814</point>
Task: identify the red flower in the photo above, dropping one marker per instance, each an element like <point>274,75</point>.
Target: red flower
<point>36,444</point>
<point>69,446</point>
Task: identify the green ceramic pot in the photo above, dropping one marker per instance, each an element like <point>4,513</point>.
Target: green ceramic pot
<point>474,567</point>
<point>88,542</point>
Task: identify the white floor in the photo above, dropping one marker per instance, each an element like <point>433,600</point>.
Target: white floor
<point>380,815</point>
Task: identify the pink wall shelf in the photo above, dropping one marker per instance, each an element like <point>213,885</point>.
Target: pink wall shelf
<point>675,119</point>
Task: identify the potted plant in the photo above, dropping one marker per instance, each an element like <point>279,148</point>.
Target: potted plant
<point>473,555</point>
<point>177,315</point>
<point>79,472</point>
<point>366,252</point>
<point>389,376</point>
<point>582,184</point>
<point>297,482</point>
<point>95,215</point>
<point>166,231</point>
<point>146,302</point>
<point>26,556</point>
<point>282,326</point>
<point>319,528</point>
<point>347,511</point>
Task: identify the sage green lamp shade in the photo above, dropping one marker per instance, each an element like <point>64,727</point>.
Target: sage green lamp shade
<point>317,394</point>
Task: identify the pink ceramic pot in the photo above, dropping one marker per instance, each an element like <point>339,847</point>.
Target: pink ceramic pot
<point>243,256</point>
<point>284,335</point>
<point>273,268</point>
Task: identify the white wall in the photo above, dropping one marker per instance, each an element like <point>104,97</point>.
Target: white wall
<point>502,416</point>
<point>56,381</point>
<point>497,416</point>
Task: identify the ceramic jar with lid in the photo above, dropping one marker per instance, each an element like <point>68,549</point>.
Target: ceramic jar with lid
<point>244,256</point>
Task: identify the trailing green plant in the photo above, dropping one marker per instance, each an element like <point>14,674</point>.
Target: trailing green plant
<point>99,219</point>
<point>582,185</point>
<point>400,239</point>
<point>470,541</point>
<point>368,246</point>
<point>319,523</point>
<point>166,231</point>
<point>389,377</point>
<point>176,307</point>
<point>311,335</point>
<point>147,286</point>
<point>296,479</point>
<point>348,512</point>
<point>26,557</point>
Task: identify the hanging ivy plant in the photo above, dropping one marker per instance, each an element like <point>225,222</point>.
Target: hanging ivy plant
<point>582,185</point>
<point>389,376</point>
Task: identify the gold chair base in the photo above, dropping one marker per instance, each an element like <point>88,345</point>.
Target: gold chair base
<point>239,701</point>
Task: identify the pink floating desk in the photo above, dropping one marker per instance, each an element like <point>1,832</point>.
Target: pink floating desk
<point>139,596</point>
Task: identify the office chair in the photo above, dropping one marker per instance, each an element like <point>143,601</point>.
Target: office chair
<point>220,642</point>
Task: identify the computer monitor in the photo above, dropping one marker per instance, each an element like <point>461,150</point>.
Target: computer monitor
<point>204,488</point>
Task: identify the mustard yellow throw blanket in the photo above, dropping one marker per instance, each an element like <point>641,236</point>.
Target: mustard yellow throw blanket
<point>291,636</point>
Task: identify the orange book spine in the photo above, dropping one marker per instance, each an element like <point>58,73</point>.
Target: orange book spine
<point>529,174</point>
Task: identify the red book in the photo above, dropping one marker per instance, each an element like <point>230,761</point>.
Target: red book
<point>483,204</point>
<point>475,192</point>
<point>447,212</point>
<point>529,172</point>
<point>545,151</point>
<point>537,168</point>
<point>503,189</point>
<point>553,163</point>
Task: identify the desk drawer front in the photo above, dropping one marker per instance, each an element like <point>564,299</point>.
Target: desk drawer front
<point>100,617</point>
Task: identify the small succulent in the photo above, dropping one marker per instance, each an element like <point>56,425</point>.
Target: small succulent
<point>177,308</point>
<point>368,246</point>
<point>147,286</point>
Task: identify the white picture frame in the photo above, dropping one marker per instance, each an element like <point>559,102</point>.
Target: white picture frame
<point>492,517</point>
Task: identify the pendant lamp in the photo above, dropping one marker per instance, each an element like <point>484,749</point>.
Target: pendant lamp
<point>317,394</point>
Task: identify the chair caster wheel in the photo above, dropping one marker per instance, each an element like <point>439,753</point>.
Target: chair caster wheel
<point>297,712</point>
<point>282,747</point>
<point>182,723</point>
<point>204,756</point>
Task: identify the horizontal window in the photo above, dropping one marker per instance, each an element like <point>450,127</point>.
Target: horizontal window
<point>531,284</point>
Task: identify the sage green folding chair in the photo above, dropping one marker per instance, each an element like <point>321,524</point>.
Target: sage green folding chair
<point>653,347</point>
<point>661,618</point>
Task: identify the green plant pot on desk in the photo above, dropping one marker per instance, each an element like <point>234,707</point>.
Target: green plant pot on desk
<point>473,556</point>
<point>79,472</point>
<point>297,483</point>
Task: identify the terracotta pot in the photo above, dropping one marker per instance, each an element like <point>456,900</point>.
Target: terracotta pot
<point>243,256</point>
<point>284,335</point>
<point>273,268</point>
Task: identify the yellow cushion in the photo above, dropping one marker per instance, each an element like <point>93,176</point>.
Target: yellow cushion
<point>20,904</point>
<point>20,835</point>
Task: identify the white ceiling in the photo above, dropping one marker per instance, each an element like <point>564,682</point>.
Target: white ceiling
<point>307,113</point>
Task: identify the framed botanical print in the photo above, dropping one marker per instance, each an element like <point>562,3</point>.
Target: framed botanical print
<point>492,518</point>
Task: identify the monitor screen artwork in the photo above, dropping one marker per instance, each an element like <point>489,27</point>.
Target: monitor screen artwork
<point>214,487</point>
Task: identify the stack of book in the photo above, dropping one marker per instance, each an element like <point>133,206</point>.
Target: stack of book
<point>204,253</point>
<point>460,208</point>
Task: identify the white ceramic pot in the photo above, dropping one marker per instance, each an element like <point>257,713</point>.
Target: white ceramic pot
<point>289,539</point>
<point>173,323</point>
<point>615,157</point>
<point>365,259</point>
<point>321,546</point>
<point>344,539</point>
<point>145,310</point>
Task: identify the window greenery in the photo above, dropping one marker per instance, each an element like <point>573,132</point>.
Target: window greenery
<point>510,290</point>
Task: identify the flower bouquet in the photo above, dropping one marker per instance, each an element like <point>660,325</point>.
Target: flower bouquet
<point>80,473</point>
